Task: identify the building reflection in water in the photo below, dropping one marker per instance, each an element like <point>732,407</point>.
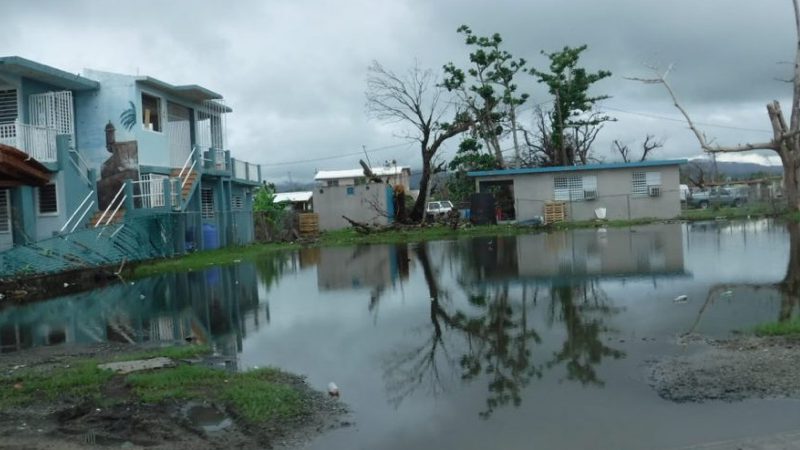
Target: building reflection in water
<point>218,306</point>
<point>483,329</point>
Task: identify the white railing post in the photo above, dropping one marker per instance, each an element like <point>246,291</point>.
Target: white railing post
<point>102,216</point>
<point>66,224</point>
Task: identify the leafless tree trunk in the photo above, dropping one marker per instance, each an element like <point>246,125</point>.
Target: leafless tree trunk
<point>785,137</point>
<point>414,99</point>
<point>649,144</point>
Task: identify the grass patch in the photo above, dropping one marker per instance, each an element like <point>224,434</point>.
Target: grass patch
<point>80,379</point>
<point>791,328</point>
<point>204,259</point>
<point>257,395</point>
<point>184,381</point>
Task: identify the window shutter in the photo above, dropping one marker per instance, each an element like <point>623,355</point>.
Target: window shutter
<point>653,178</point>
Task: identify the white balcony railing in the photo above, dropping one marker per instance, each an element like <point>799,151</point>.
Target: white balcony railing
<point>252,172</point>
<point>240,169</point>
<point>38,142</point>
<point>244,170</point>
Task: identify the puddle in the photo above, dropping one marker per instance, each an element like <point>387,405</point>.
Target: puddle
<point>207,417</point>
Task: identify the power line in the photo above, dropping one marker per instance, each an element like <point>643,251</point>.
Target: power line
<point>325,158</point>
<point>675,119</point>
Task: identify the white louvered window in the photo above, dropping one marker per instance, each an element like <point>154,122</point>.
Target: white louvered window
<point>207,203</point>
<point>5,212</point>
<point>48,200</point>
<point>8,105</point>
<point>643,181</point>
<point>574,187</point>
<point>237,202</point>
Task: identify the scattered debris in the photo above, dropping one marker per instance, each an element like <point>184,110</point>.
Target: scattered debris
<point>333,390</point>
<point>126,367</point>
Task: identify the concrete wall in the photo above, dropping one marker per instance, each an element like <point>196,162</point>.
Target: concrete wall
<point>614,191</point>
<point>367,203</point>
<point>94,109</point>
<point>106,104</point>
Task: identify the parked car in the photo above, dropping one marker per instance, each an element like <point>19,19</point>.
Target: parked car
<point>439,208</point>
<point>717,197</point>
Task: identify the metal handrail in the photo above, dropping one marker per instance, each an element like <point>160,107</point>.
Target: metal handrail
<point>66,224</point>
<point>81,165</point>
<point>111,217</point>
<point>186,178</point>
<point>186,163</point>
<point>88,208</point>
<point>99,221</point>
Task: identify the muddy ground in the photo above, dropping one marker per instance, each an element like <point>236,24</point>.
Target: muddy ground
<point>729,370</point>
<point>120,421</point>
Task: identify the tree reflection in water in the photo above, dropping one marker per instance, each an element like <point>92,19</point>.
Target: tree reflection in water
<point>788,288</point>
<point>493,339</point>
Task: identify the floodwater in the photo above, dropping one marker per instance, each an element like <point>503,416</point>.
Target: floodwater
<point>536,341</point>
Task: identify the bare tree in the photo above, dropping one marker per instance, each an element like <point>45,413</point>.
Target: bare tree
<point>649,144</point>
<point>696,175</point>
<point>543,150</point>
<point>785,136</point>
<point>416,100</point>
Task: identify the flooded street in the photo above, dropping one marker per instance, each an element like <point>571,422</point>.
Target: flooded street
<point>534,341</point>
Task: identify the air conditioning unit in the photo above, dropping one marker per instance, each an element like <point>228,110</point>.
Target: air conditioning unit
<point>654,191</point>
<point>590,195</point>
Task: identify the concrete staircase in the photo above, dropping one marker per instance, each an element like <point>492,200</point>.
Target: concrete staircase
<point>117,217</point>
<point>188,188</point>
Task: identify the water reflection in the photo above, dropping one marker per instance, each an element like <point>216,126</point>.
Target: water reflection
<point>492,338</point>
<point>217,306</point>
<point>655,250</point>
<point>787,288</point>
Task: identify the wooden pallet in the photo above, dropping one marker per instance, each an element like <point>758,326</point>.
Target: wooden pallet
<point>555,212</point>
<point>308,224</point>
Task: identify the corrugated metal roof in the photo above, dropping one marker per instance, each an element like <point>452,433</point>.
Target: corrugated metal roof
<point>355,173</point>
<point>301,196</point>
<point>534,170</point>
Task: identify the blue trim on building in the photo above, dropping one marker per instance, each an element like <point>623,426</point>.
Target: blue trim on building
<point>587,167</point>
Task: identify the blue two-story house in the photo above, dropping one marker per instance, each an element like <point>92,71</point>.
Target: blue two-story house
<point>139,162</point>
<point>43,176</point>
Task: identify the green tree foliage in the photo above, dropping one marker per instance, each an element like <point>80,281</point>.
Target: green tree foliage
<point>468,158</point>
<point>264,203</point>
<point>487,90</point>
<point>569,85</point>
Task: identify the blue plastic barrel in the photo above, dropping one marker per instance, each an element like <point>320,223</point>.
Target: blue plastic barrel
<point>210,236</point>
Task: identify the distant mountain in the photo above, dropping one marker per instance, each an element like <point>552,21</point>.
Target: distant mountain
<point>294,186</point>
<point>735,170</point>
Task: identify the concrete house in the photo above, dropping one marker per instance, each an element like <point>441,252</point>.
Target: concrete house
<point>169,138</point>
<point>390,174</point>
<point>299,201</point>
<point>647,189</point>
<point>44,176</point>
<point>102,167</point>
<point>349,193</point>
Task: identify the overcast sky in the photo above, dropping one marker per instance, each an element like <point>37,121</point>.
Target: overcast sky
<point>294,71</point>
